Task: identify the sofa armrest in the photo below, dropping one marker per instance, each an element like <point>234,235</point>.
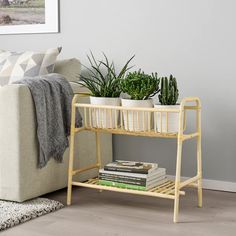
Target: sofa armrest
<point>17,134</point>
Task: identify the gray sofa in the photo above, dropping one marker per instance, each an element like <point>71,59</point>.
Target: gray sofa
<point>20,179</point>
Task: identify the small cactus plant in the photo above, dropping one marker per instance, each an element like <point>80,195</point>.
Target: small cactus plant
<point>169,92</point>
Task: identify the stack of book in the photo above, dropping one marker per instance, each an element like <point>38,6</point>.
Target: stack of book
<point>132,175</point>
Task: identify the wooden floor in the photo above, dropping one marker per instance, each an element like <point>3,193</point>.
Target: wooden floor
<point>116,214</point>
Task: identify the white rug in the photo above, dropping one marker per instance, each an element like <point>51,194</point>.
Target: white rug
<point>13,213</point>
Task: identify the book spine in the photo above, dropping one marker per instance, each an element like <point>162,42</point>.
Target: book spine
<point>125,177</point>
<point>109,168</point>
<point>121,185</point>
<point>123,181</point>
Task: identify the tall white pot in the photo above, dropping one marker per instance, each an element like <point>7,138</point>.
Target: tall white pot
<point>137,120</point>
<point>104,118</point>
<point>161,119</point>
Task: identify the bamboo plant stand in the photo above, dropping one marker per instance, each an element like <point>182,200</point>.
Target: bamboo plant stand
<point>170,189</point>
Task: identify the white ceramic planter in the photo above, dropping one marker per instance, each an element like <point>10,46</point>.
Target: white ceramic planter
<point>102,118</point>
<point>160,119</point>
<point>137,121</point>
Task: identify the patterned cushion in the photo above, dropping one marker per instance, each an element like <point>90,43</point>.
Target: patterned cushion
<point>14,66</point>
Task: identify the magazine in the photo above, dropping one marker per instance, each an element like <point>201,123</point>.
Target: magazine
<point>131,166</point>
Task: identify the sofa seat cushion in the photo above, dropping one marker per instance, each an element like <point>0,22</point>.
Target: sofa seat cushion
<point>16,65</point>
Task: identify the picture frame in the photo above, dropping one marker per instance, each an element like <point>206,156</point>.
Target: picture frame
<point>49,18</point>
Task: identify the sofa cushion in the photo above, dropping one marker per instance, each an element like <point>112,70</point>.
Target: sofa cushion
<point>16,65</point>
<point>70,68</point>
<point>77,88</point>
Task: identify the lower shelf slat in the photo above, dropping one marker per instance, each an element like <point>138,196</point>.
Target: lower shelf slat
<point>165,190</point>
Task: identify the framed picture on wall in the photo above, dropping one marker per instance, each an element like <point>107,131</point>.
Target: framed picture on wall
<point>29,16</point>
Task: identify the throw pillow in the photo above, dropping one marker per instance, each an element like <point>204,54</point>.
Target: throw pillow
<point>16,65</point>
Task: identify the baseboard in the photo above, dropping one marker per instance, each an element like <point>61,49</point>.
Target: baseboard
<point>215,184</point>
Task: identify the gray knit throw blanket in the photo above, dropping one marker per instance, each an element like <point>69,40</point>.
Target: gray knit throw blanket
<point>52,96</point>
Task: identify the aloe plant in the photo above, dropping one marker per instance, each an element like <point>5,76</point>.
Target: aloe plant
<point>102,79</point>
<point>169,92</point>
<point>140,86</point>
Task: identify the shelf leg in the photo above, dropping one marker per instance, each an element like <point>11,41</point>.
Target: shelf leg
<point>98,152</point>
<point>71,155</point>
<point>177,180</point>
<point>178,164</point>
<point>98,149</point>
<point>199,159</point>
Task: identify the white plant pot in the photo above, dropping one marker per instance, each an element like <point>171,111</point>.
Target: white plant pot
<point>104,118</point>
<point>164,124</point>
<point>137,120</point>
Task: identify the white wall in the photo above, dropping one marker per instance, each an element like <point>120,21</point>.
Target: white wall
<point>194,40</point>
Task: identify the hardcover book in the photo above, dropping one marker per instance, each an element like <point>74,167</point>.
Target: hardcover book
<point>139,183</point>
<point>133,176</point>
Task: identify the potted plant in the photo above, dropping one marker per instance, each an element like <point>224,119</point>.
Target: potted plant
<point>168,98</point>
<point>140,87</point>
<point>104,85</point>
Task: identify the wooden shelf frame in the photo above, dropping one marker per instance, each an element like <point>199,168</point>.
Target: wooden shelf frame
<point>169,190</point>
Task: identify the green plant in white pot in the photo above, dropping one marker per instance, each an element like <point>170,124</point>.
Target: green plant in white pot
<point>140,87</point>
<point>104,84</point>
<point>168,98</point>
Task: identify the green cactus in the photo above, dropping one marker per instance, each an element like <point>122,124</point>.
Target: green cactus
<point>169,92</point>
<point>140,86</point>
